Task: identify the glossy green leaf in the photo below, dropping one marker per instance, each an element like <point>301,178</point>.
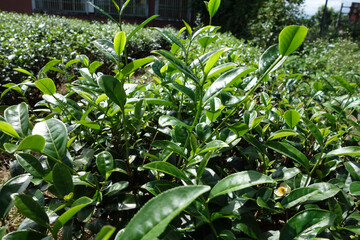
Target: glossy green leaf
<point>178,64</point>
<point>140,26</point>
<point>284,173</point>
<point>55,134</point>
<point>48,66</point>
<point>104,162</point>
<point>106,47</point>
<point>298,196</point>
<point>345,84</point>
<point>113,89</point>
<point>89,124</point>
<point>221,83</point>
<point>326,190</point>
<point>220,69</point>
<point>159,101</point>
<point>18,117</point>
<point>268,58</point>
<point>30,208</point>
<point>202,165</point>
<point>14,185</point>
<point>131,67</point>
<point>345,151</point>
<point>8,129</point>
<point>290,38</point>
<point>213,145</point>
<point>119,42</point>
<point>105,233</point>
<point>35,143</point>
<point>213,6</point>
<point>165,144</point>
<point>187,91</point>
<point>24,235</point>
<point>282,133</point>
<point>62,179</point>
<point>171,121</point>
<point>25,72</point>
<point>239,128</point>
<point>355,188</point>
<point>238,181</point>
<point>289,151</point>
<point>46,86</point>
<point>167,168</point>
<point>152,219</point>
<point>314,130</point>
<point>66,216</point>
<point>292,118</point>
<point>116,188</point>
<point>212,60</point>
<point>31,164</point>
<point>307,224</point>
<point>205,41</point>
<point>354,169</point>
<point>170,38</point>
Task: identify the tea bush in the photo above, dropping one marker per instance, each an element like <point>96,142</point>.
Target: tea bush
<point>208,147</point>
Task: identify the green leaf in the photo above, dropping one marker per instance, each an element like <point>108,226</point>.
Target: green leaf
<point>55,134</point>
<point>187,91</point>
<point>354,169</point>
<point>239,128</point>
<point>213,145</point>
<point>14,185</point>
<point>315,131</point>
<point>202,165</point>
<point>159,101</point>
<point>66,216</point>
<point>23,235</point>
<point>282,133</point>
<point>221,83</point>
<point>152,219</point>
<point>290,152</point>
<point>62,179</point>
<point>31,164</point>
<point>115,188</point>
<point>171,121</point>
<point>113,89</point>
<point>292,118</point>
<point>178,64</point>
<point>205,41</point>
<point>89,124</point>
<point>355,188</point>
<point>283,173</point>
<point>18,117</point>
<point>307,224</point>
<point>212,60</point>
<point>105,232</point>
<point>298,196</point>
<point>25,72</point>
<point>105,13</point>
<point>326,190</point>
<point>140,27</point>
<point>104,162</point>
<point>238,181</point>
<point>345,84</point>
<point>106,47</point>
<point>46,86</point>
<point>170,38</point>
<point>131,67</point>
<point>119,42</point>
<point>167,168</point>
<point>269,58</point>
<point>165,144</point>
<point>31,209</point>
<point>2,231</point>
<point>290,38</point>
<point>345,151</point>
<point>49,66</point>
<point>221,68</point>
<point>8,129</point>
<point>213,6</point>
<point>35,143</point>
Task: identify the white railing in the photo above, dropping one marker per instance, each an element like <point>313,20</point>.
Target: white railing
<point>135,8</point>
<point>173,9</point>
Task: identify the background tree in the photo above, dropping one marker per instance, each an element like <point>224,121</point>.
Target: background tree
<point>246,19</point>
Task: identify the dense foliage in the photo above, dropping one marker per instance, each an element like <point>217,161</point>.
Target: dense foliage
<point>203,146</point>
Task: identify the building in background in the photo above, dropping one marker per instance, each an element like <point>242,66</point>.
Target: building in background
<point>354,12</point>
<point>170,11</point>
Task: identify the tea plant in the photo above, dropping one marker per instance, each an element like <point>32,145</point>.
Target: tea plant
<point>208,148</point>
